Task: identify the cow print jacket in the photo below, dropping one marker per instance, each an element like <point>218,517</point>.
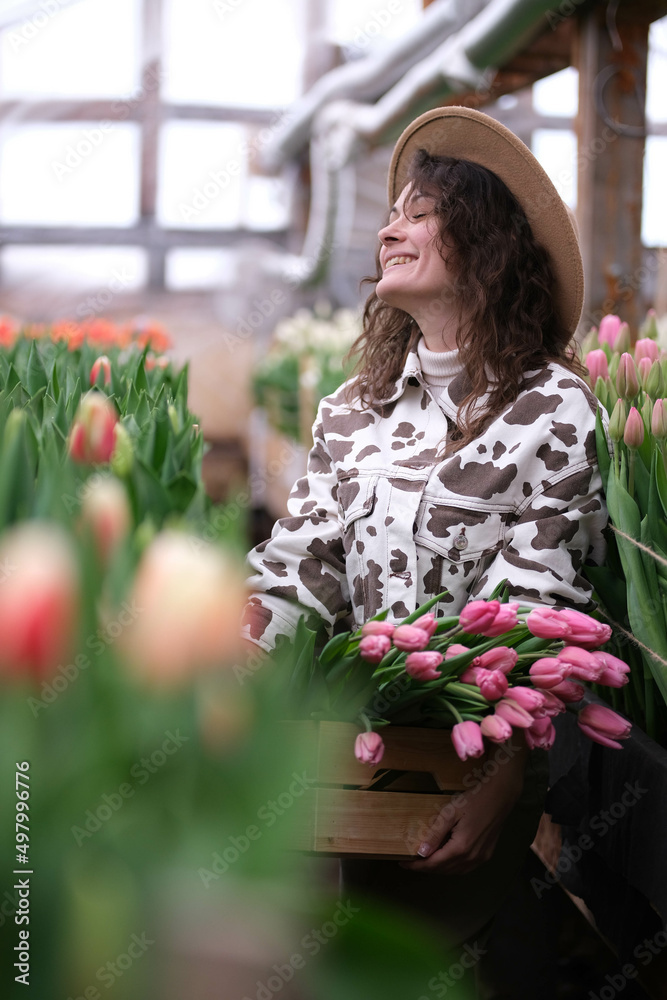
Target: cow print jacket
<point>381,519</point>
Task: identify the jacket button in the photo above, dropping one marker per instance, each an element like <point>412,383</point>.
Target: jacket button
<point>461,542</point>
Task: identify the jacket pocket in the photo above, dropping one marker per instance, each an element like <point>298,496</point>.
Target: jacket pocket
<point>356,502</point>
<point>462,542</point>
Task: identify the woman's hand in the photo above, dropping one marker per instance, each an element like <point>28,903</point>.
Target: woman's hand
<point>468,827</point>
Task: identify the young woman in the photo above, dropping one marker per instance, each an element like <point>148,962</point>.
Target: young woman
<point>461,455</point>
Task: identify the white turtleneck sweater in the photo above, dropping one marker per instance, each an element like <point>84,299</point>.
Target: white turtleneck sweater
<point>438,367</point>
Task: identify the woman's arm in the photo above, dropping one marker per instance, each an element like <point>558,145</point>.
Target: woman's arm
<point>559,528</point>
<point>301,568</point>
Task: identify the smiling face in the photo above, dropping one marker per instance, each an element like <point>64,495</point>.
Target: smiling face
<point>415,277</point>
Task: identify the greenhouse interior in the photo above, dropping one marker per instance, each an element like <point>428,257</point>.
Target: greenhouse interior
<point>321,677</point>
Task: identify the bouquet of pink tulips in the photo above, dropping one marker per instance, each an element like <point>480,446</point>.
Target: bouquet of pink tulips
<point>493,668</point>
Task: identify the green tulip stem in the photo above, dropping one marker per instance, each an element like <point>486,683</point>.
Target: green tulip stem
<point>631,472</point>
<point>451,708</point>
<point>363,718</point>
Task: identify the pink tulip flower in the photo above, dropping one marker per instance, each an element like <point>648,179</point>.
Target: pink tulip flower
<point>102,364</point>
<point>378,628</point>
<point>478,615</point>
<point>659,420</point>
<point>596,362</point>
<point>39,600</point>
<point>498,658</point>
<point>92,435</point>
<point>422,666</point>
<point>580,664</point>
<point>644,369</point>
<point>428,623</point>
<point>513,713</point>
<point>495,728</point>
<point>491,683</point>
<point>565,623</point>
<point>646,348</point>
<point>568,691</point>
<point>105,510</point>
<point>369,748</point>
<point>608,331</point>
<point>603,725</point>
<point>627,382</point>
<point>469,675</point>
<point>547,672</point>
<point>553,705</point>
<point>623,340</point>
<point>614,671</point>
<point>409,638</point>
<point>372,648</point>
<point>455,650</point>
<point>541,735</point>
<point>633,435</point>
<point>467,739</point>
<point>528,698</point>
<point>504,621</point>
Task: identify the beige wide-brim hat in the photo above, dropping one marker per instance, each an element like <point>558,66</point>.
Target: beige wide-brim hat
<point>470,135</point>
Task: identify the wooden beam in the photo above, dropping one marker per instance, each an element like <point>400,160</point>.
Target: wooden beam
<point>139,235</point>
<point>131,109</point>
<point>611,130</point>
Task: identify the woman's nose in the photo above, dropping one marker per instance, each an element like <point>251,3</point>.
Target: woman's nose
<point>390,232</point>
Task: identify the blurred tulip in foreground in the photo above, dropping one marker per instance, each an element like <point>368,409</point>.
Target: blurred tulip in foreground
<point>106,511</point>
<point>39,600</point>
<point>92,435</point>
<point>189,597</point>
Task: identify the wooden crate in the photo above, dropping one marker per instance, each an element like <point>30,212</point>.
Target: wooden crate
<point>342,817</point>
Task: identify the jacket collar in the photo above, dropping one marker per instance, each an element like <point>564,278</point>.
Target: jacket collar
<point>450,397</point>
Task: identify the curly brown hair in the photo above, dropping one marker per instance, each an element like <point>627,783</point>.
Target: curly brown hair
<point>507,320</point>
